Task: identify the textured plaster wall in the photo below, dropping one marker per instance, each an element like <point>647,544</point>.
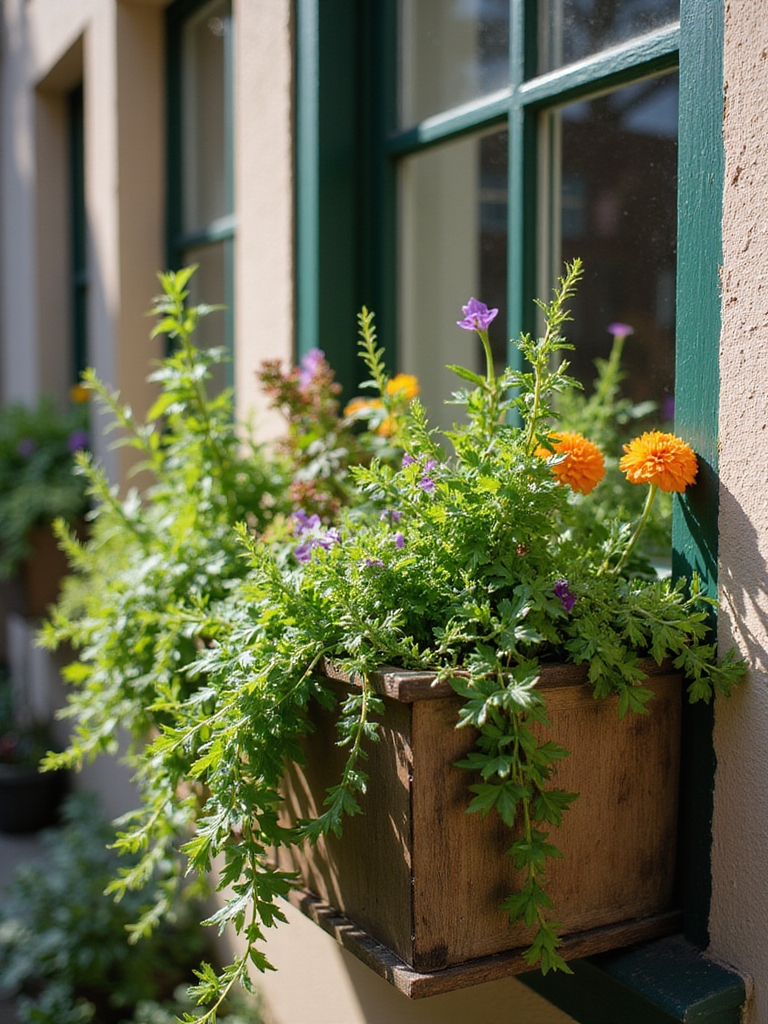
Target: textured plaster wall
<point>739,914</point>
<point>264,306</point>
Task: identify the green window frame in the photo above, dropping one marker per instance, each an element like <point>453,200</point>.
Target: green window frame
<point>222,229</point>
<point>345,254</point>
<point>78,247</point>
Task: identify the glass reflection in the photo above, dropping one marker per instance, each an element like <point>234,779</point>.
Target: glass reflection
<point>617,195</point>
<point>204,102</point>
<point>208,284</point>
<point>450,52</point>
<point>572,29</point>
<point>453,245</point>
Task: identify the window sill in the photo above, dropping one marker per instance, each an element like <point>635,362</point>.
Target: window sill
<point>668,981</point>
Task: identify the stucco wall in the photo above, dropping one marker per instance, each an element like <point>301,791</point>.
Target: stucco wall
<point>739,914</point>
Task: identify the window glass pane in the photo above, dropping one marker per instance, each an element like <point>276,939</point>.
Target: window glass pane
<point>451,51</point>
<point>453,242</point>
<point>204,111</point>
<point>572,29</point>
<point>615,176</point>
<point>208,284</point>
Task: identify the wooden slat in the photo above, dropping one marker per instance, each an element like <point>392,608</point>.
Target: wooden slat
<point>420,984</point>
<point>409,686</point>
<point>425,879</point>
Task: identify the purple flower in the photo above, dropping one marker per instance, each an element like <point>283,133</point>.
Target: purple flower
<point>562,591</point>
<point>620,330</point>
<point>392,515</point>
<point>668,407</point>
<point>477,316</point>
<point>331,537</point>
<point>427,483</point>
<point>399,540</point>
<point>308,367</point>
<point>371,562</point>
<point>408,460</point>
<point>303,552</point>
<point>26,447</point>
<point>303,522</point>
<point>77,440</point>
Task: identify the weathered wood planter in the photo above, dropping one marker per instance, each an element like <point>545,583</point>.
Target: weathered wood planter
<point>414,884</point>
<point>41,572</point>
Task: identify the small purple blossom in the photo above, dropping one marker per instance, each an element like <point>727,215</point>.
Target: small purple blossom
<point>303,522</point>
<point>668,407</point>
<point>77,440</point>
<point>303,552</point>
<point>427,483</point>
<point>331,537</point>
<point>392,515</point>
<point>308,367</point>
<point>399,540</point>
<point>477,316</point>
<point>374,563</point>
<point>26,447</point>
<point>563,591</point>
<point>408,460</point>
<point>620,330</point>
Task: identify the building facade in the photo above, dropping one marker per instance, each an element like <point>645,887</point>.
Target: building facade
<point>317,155</point>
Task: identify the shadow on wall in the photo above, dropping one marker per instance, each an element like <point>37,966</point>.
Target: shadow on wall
<point>496,1002</point>
<point>743,582</point>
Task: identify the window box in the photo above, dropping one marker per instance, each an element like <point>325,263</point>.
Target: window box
<point>413,885</point>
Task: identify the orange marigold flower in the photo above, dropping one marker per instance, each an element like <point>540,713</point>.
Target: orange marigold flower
<point>404,385</point>
<point>583,468</point>
<point>660,459</point>
<point>362,406</point>
<point>79,393</point>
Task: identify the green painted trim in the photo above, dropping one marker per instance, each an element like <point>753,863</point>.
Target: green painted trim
<point>307,174</point>
<point>223,229</point>
<point>328,146</point>
<point>78,234</point>
<point>701,161</point>
<point>452,124</point>
<point>219,230</point>
<point>664,982</point>
<point>654,52</point>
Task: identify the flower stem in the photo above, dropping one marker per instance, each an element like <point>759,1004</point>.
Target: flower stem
<point>488,356</point>
<point>639,528</point>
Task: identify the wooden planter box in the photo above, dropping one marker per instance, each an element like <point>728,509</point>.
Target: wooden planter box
<point>413,885</point>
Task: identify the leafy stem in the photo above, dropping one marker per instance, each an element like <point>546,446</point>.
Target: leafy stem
<point>638,530</point>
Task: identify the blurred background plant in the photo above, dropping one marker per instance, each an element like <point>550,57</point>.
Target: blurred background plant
<point>37,486</point>
<point>67,950</point>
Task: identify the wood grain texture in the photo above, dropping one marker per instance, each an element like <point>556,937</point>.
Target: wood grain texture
<point>419,875</point>
<point>420,984</point>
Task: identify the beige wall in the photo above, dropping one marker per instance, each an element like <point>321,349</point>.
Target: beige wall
<point>116,46</point>
<point>739,915</point>
<point>263,198</point>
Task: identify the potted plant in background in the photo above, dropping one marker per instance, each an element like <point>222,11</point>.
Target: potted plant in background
<point>29,799</point>
<point>468,561</point>
<point>37,486</point>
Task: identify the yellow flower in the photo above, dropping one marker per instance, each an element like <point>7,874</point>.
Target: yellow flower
<point>403,385</point>
<point>583,468</point>
<point>79,393</point>
<point>660,459</point>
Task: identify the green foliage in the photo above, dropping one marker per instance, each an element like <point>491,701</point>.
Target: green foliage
<point>465,554</point>
<point>37,484</point>
<point>158,559</point>
<point>64,945</point>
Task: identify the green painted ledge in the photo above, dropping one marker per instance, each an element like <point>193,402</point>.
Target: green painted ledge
<point>665,982</point>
